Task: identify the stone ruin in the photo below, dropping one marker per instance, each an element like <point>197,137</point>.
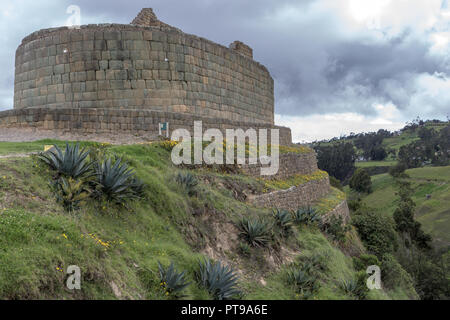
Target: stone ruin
<point>118,79</point>
<point>127,80</point>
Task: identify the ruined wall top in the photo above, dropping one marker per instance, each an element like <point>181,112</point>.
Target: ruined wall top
<point>242,48</point>
<point>147,18</point>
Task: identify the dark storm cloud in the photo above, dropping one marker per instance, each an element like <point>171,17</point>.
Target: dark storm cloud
<point>319,65</point>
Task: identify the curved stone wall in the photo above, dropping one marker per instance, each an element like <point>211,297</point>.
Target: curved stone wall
<point>156,68</point>
<point>141,123</point>
<point>294,197</point>
<point>289,164</point>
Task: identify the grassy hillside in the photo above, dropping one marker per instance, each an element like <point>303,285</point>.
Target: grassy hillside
<point>408,136</point>
<point>394,143</point>
<point>118,248</point>
<point>434,213</point>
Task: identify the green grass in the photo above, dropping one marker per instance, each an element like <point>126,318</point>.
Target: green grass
<point>10,148</point>
<point>328,203</point>
<point>399,141</point>
<point>366,164</point>
<point>434,214</point>
<point>116,247</point>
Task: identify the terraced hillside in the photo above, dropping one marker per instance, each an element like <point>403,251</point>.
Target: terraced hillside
<point>118,247</point>
<point>432,211</point>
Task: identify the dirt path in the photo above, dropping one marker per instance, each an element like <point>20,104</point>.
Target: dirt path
<point>30,134</point>
<point>17,155</point>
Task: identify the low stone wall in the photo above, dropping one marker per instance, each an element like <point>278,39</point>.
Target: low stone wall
<point>341,210</point>
<point>290,164</point>
<point>116,121</point>
<point>294,197</point>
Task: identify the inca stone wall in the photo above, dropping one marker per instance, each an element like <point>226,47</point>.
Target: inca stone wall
<point>290,164</point>
<point>149,66</point>
<point>144,123</point>
<point>294,197</point>
<point>341,210</point>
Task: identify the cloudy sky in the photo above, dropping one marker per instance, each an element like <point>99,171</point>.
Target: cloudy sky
<point>339,65</point>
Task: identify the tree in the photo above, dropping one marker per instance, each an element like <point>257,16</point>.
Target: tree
<point>361,181</point>
<point>378,153</point>
<point>338,160</point>
<point>375,230</point>
<point>409,228</point>
<point>432,148</point>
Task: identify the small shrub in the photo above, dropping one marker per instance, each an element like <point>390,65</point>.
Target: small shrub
<point>71,163</point>
<point>168,144</point>
<point>172,281</point>
<point>283,222</point>
<point>361,181</point>
<point>356,288</point>
<point>303,281</point>
<point>218,279</point>
<point>97,152</point>
<point>365,260</point>
<point>354,204</point>
<point>376,231</point>
<point>394,275</point>
<point>316,263</point>
<point>188,181</point>
<point>244,249</point>
<point>70,193</point>
<point>398,170</point>
<point>256,232</point>
<point>307,215</point>
<point>350,287</point>
<point>336,183</point>
<point>117,182</point>
<point>335,227</point>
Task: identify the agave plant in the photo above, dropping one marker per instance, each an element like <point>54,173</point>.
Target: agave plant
<point>70,193</point>
<point>299,278</point>
<point>283,222</point>
<point>218,279</point>
<point>283,218</point>
<point>303,281</point>
<point>349,287</point>
<point>188,181</point>
<point>117,182</point>
<point>70,163</point>
<point>172,281</point>
<point>255,231</point>
<point>308,215</point>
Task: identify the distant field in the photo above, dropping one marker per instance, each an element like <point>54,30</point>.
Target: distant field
<point>434,214</point>
<point>399,141</point>
<point>365,164</point>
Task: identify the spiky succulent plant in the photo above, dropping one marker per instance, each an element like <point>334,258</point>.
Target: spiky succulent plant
<point>172,281</point>
<point>220,280</point>
<point>70,193</point>
<point>117,182</point>
<point>255,231</point>
<point>307,215</point>
<point>71,163</point>
<point>188,181</point>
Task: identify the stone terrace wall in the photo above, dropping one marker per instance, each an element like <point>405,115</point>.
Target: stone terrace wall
<point>160,68</point>
<point>294,197</point>
<point>341,210</point>
<point>290,164</point>
<point>115,122</point>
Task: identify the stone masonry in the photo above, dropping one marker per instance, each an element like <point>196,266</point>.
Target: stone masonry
<point>144,66</point>
<point>294,197</point>
<point>290,164</point>
<point>125,80</point>
<point>143,123</point>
